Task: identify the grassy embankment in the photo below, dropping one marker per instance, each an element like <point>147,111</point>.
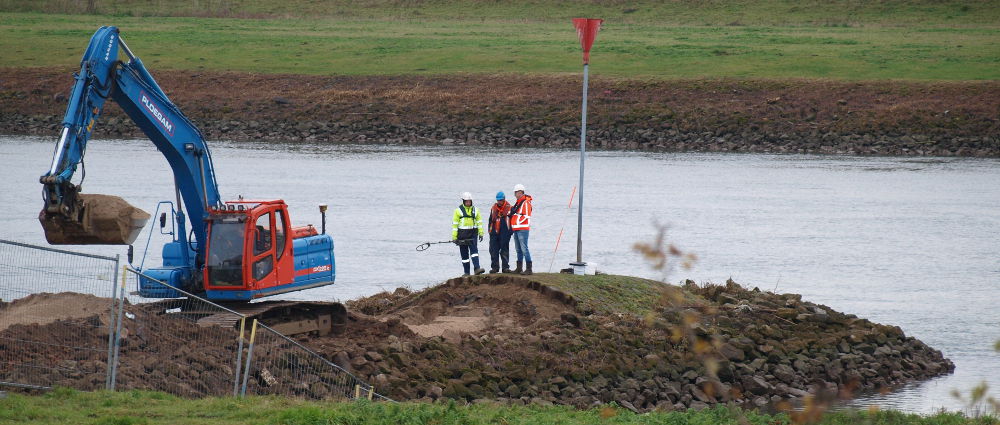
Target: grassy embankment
<point>745,12</point>
<point>609,294</point>
<point>137,407</point>
<point>915,39</point>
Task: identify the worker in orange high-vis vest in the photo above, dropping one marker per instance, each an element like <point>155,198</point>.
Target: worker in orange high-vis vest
<point>520,223</point>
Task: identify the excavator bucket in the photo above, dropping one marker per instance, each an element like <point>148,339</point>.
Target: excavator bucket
<point>97,220</point>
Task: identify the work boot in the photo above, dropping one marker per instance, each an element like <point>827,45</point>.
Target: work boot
<point>494,270</point>
<point>505,270</point>
<point>480,270</point>
<point>527,269</point>
<point>518,269</point>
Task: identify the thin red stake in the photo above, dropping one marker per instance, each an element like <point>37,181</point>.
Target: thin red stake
<point>559,238</point>
<point>557,248</point>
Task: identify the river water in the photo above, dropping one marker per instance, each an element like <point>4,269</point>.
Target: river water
<point>911,242</point>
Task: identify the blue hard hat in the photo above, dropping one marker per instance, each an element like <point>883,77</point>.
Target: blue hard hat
<point>500,196</point>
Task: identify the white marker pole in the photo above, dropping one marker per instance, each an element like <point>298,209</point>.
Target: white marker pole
<point>583,158</point>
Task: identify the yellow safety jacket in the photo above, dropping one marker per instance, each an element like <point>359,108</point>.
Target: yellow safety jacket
<point>466,223</point>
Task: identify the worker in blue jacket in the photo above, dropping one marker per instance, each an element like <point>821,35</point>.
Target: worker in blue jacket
<point>466,228</point>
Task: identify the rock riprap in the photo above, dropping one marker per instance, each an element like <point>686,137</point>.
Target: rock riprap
<point>550,339</point>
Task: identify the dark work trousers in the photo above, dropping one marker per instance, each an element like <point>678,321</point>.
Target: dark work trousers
<point>500,250</point>
<point>466,250</point>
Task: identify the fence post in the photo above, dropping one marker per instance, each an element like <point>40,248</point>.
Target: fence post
<point>118,329</point>
<point>246,370</point>
<point>111,322</point>
<point>239,358</point>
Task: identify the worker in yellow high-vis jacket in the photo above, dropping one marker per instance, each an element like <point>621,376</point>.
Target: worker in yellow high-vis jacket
<point>467,232</point>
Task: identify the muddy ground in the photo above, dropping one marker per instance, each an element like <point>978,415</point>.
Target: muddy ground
<point>62,339</point>
<point>788,116</point>
<point>516,340</point>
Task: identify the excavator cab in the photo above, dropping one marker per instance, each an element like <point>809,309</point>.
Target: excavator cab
<point>248,248</point>
<point>253,252</point>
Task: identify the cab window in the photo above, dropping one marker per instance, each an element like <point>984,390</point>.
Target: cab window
<point>262,234</point>
<point>225,258</point>
<point>263,267</point>
<point>279,234</point>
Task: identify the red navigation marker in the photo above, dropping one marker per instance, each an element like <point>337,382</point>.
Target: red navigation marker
<point>586,29</point>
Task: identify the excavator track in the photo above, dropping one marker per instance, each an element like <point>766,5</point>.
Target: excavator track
<point>285,317</point>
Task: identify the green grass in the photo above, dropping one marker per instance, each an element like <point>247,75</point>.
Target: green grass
<point>148,408</point>
<point>327,46</point>
<point>675,12</point>
<point>606,294</point>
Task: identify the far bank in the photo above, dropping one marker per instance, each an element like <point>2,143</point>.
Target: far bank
<point>755,116</point>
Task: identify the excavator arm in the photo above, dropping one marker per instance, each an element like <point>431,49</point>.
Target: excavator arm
<point>70,217</point>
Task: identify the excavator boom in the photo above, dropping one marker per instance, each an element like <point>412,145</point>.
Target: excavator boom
<point>71,217</point>
<point>68,216</point>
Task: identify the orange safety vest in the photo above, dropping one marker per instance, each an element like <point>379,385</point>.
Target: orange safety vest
<point>499,218</point>
<point>520,216</point>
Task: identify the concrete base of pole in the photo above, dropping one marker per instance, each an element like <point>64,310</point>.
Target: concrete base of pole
<point>584,268</point>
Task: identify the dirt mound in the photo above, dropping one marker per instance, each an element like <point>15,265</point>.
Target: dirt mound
<point>166,352</point>
<point>45,308</point>
<point>458,308</point>
<point>455,309</point>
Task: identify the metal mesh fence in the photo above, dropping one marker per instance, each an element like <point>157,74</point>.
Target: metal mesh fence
<point>63,315</point>
<point>184,346</point>
<point>278,365</point>
<point>55,317</point>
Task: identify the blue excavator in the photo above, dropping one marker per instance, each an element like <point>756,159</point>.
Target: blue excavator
<point>235,251</point>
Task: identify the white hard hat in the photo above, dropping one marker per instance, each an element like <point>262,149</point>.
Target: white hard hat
<point>466,196</point>
<point>518,187</point>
